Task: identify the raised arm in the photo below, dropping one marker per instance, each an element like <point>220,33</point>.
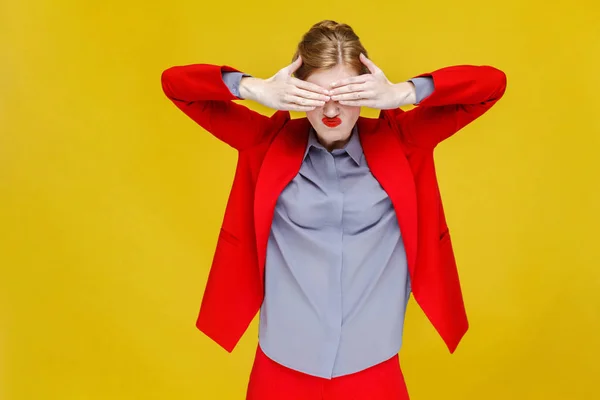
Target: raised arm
<point>460,95</point>
<point>200,92</point>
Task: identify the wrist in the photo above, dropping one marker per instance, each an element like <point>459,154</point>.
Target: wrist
<point>405,93</point>
<point>249,87</point>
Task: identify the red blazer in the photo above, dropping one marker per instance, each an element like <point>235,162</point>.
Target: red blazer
<point>398,147</point>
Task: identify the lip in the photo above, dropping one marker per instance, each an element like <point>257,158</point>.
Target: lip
<point>332,122</point>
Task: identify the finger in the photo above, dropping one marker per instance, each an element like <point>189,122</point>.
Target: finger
<point>352,96</point>
<point>301,101</point>
<point>352,80</point>
<point>310,95</point>
<point>358,103</point>
<point>370,64</point>
<point>311,87</point>
<point>296,107</point>
<point>349,88</point>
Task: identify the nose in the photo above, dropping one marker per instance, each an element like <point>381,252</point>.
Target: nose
<point>331,109</point>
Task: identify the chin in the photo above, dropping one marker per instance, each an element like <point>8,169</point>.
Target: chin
<point>332,136</point>
<point>338,136</point>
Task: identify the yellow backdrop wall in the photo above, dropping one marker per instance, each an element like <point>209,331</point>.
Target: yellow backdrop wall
<point>111,200</point>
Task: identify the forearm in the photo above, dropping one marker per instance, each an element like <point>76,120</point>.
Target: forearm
<point>466,85</point>
<point>196,82</point>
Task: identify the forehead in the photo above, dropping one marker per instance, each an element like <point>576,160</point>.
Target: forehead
<point>323,77</point>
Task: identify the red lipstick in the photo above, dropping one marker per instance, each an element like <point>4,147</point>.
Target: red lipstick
<point>332,122</point>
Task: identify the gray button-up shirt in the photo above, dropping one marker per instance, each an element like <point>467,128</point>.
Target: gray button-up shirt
<point>336,279</point>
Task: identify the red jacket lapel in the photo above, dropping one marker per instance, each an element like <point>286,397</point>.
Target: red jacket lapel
<point>281,164</point>
<point>389,165</point>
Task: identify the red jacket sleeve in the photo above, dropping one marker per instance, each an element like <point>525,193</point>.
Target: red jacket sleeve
<point>199,91</point>
<point>462,94</point>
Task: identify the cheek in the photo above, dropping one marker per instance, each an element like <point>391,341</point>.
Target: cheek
<point>352,113</point>
<point>314,116</point>
<point>311,115</point>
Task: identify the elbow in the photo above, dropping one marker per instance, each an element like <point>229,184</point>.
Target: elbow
<point>497,80</point>
<point>165,81</point>
<point>500,81</point>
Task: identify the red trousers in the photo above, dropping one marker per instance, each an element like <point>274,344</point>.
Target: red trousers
<point>272,381</point>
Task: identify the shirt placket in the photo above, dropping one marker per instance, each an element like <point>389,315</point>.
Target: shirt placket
<point>334,298</point>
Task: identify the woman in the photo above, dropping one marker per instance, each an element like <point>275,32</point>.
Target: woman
<point>333,219</point>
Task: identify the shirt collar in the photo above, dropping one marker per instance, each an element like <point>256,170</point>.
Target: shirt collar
<point>353,147</point>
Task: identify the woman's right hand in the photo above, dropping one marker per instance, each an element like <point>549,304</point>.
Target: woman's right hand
<point>284,92</point>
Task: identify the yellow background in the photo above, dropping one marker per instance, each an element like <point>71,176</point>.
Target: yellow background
<point>111,199</point>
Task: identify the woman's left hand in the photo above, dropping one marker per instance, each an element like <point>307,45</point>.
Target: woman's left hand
<point>372,90</point>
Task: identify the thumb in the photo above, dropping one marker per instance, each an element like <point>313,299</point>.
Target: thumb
<point>293,67</point>
<point>370,64</point>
